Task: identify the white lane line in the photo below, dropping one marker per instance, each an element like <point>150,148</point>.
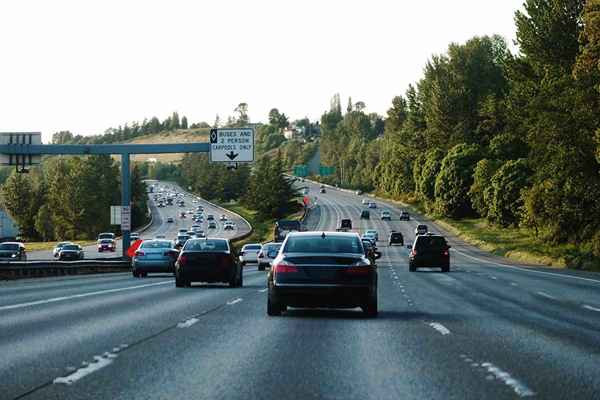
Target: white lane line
<point>263,290</point>
<point>518,387</point>
<point>188,322</point>
<point>546,295</point>
<point>526,269</point>
<point>591,308</point>
<point>99,363</point>
<point>514,284</point>
<point>235,301</point>
<point>493,277</point>
<point>78,296</point>
<point>440,328</point>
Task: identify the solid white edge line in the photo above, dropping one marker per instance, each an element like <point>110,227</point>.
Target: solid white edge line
<point>78,296</point>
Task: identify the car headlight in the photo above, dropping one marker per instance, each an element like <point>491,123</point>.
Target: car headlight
<point>13,256</point>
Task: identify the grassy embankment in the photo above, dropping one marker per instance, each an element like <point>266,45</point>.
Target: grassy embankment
<point>520,244</point>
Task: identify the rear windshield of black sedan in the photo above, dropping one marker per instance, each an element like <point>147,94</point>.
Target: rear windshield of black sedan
<point>206,245</point>
<point>320,244</point>
<point>431,242</point>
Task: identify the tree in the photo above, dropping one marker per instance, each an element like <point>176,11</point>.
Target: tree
<point>507,185</point>
<point>184,122</point>
<point>43,223</point>
<point>242,118</point>
<point>454,181</point>
<point>217,122</point>
<point>481,189</point>
<point>18,200</point>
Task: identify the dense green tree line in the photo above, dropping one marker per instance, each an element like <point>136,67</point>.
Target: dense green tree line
<point>70,198</point>
<point>513,138</point>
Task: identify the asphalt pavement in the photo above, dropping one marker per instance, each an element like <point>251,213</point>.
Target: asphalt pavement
<point>489,329</point>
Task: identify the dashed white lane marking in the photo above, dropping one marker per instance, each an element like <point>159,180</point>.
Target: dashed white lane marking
<point>78,296</point>
<point>188,322</point>
<point>591,308</point>
<point>263,290</point>
<point>493,277</point>
<point>514,284</point>
<point>88,368</point>
<point>546,295</point>
<point>519,388</point>
<point>440,328</point>
<point>235,301</point>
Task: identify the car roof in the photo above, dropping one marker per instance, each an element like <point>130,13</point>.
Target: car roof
<point>327,233</point>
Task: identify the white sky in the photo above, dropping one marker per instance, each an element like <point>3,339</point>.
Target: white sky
<point>88,65</point>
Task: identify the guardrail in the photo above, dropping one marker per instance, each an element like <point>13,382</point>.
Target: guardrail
<point>31,269</point>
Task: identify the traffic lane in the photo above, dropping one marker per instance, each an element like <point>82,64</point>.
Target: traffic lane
<point>501,329</point>
<point>303,354</point>
<point>43,342</point>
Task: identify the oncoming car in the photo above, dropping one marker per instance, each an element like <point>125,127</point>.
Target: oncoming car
<point>267,254</point>
<point>13,251</point>
<point>322,269</point>
<point>107,245</point>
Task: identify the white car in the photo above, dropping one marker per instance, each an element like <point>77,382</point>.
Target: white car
<point>365,201</point>
<point>372,232</point>
<point>59,247</point>
<point>267,254</point>
<point>386,215</point>
<point>249,253</point>
<point>196,228</point>
<point>223,217</point>
<point>228,225</point>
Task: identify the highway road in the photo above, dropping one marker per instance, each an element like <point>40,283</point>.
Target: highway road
<point>159,225</point>
<point>489,329</point>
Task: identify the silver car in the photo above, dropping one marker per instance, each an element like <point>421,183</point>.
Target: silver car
<point>267,254</point>
<point>157,255</point>
<point>249,253</point>
<point>58,247</point>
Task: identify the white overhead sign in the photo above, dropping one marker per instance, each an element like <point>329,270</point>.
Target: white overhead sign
<point>125,218</point>
<point>232,145</point>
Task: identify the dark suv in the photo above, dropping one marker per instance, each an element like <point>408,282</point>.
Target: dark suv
<point>396,238</point>
<point>429,251</point>
<point>365,214</point>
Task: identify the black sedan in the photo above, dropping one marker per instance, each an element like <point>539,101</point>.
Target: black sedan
<point>322,269</point>
<point>70,252</point>
<point>13,251</point>
<point>208,260</point>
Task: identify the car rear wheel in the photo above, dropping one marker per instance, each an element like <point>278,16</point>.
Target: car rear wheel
<point>135,274</point>
<point>412,268</point>
<point>241,280</point>
<point>370,308</point>
<point>179,281</point>
<point>446,268</point>
<point>273,308</point>
<point>261,267</point>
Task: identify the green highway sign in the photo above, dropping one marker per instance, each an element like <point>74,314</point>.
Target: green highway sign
<point>301,170</point>
<point>324,170</point>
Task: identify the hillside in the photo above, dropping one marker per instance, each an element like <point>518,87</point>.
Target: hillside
<point>177,136</point>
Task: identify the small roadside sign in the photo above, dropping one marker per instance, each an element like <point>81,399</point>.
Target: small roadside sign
<point>126,218</point>
<point>115,215</point>
<point>232,145</point>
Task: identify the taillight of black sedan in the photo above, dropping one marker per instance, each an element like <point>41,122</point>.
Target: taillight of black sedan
<point>208,260</point>
<point>322,269</point>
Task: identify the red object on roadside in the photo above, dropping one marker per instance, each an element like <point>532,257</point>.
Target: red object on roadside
<point>306,200</point>
<point>133,248</point>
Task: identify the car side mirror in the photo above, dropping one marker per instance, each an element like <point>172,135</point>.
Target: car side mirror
<point>377,255</point>
<point>449,247</point>
<point>409,246</point>
<point>241,253</point>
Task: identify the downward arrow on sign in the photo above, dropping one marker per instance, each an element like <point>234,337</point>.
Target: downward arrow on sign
<point>231,155</point>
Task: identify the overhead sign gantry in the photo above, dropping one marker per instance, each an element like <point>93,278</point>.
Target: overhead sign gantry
<point>24,149</point>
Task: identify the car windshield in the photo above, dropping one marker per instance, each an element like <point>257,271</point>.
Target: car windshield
<point>156,244</point>
<point>106,241</point>
<point>323,244</point>
<point>183,237</point>
<point>106,236</point>
<point>70,247</point>
<point>396,235</point>
<point>206,245</point>
<point>9,246</point>
<point>251,247</point>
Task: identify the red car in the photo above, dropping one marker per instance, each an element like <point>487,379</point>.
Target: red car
<point>107,245</point>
